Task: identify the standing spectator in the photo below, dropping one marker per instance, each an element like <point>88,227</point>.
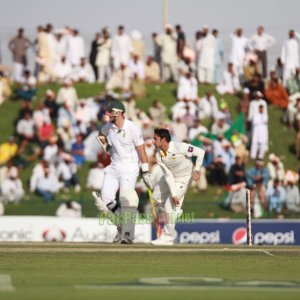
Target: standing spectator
<point>260,42</point>
<point>18,47</point>
<point>238,50</point>
<point>290,56</point>
<point>254,106</point>
<point>206,58</point>
<point>168,43</point>
<point>76,48</point>
<point>93,54</point>
<point>103,56</point>
<point>121,48</point>
<point>180,40</point>
<point>219,54</point>
<point>138,45</point>
<point>260,134</point>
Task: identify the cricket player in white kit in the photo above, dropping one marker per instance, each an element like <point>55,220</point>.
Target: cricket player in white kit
<point>124,138</point>
<point>175,159</point>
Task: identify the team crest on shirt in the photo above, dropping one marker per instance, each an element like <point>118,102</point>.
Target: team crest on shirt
<point>190,149</point>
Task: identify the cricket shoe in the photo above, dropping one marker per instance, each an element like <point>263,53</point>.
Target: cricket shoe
<point>99,203</point>
<point>162,242</point>
<point>126,241</point>
<point>118,237</point>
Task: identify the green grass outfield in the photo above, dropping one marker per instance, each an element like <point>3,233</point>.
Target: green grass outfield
<point>105,271</point>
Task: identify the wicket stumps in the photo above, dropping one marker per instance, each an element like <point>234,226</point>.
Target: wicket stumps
<point>248,218</point>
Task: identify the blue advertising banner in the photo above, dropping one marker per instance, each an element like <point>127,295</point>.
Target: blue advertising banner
<point>265,232</point>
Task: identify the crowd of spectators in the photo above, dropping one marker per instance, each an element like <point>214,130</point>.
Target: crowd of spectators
<point>59,135</point>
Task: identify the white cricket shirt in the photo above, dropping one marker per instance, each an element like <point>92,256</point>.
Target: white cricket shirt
<point>123,141</point>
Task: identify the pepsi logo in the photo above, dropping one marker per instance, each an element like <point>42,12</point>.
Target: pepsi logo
<point>54,234</point>
<point>239,236</point>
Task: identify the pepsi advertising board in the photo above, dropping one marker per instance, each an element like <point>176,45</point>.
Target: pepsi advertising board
<point>264,232</point>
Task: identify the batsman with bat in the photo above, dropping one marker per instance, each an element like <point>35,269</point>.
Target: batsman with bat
<point>125,141</point>
<point>175,159</point>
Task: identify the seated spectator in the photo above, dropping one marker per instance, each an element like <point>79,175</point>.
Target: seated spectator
<point>219,126</point>
<point>41,115</point>
<point>44,133</point>
<point>179,109</point>
<point>230,83</point>
<point>120,79</point>
<point>276,169</point>
<point>38,171</point>
<point>208,106</point>
<point>67,135</point>
<point>276,197</point>
<point>196,129</point>
<point>276,94</point>
<point>157,112</point>
<point>293,83</point>
<point>50,104</point>
<point>292,193</point>
<point>47,185</point>
<point>66,115</point>
<point>136,68</point>
<point>62,69</point>
<point>67,93</point>
<point>250,69</point>
<point>258,176</point>
<point>179,130</point>
<point>152,71</point>
<point>8,150</point>
<point>130,106</point>
<point>187,87</point>
<point>28,88</point>
<point>95,177</point>
<point>83,72</point>
<point>69,209</point>
<point>217,171</point>
<point>78,150</point>
<point>51,150</point>
<point>235,199</point>
<point>26,130</point>
<point>227,154</point>
<point>243,105</point>
<point>66,172</point>
<point>5,86</point>
<point>293,111</point>
<point>254,85</point>
<point>239,142</point>
<point>237,172</point>
<point>12,187</point>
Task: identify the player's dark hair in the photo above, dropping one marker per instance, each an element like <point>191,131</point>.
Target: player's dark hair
<point>163,133</point>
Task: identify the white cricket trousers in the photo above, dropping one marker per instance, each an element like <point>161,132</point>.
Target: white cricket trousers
<point>172,212</point>
<point>121,176</point>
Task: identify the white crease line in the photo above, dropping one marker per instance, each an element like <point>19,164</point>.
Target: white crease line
<point>6,283</point>
<point>190,287</point>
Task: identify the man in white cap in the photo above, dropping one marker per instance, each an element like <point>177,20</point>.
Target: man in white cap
<point>175,160</point>
<point>127,148</point>
<point>292,191</point>
<point>168,43</point>
<point>254,106</point>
